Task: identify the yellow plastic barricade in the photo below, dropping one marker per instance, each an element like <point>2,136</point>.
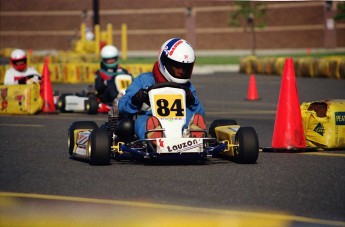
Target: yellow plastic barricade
<point>248,64</point>
<point>20,99</point>
<point>279,66</point>
<point>3,69</point>
<point>324,123</point>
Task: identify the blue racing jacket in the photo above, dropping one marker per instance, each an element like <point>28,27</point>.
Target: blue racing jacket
<point>144,81</point>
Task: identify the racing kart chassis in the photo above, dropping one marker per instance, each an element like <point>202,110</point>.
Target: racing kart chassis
<point>115,138</point>
<point>87,100</point>
<point>99,145</point>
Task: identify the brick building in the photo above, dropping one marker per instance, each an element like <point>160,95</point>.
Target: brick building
<point>48,24</point>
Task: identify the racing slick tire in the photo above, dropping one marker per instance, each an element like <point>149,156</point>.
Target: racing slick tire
<point>91,106</point>
<point>219,122</point>
<point>247,151</point>
<point>75,126</point>
<point>100,147</point>
<point>62,103</point>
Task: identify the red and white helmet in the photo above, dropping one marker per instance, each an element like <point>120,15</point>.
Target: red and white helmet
<point>176,60</point>
<point>18,60</point>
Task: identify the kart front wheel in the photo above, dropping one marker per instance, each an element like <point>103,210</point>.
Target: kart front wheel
<point>100,147</point>
<point>62,102</point>
<point>87,125</point>
<point>247,151</point>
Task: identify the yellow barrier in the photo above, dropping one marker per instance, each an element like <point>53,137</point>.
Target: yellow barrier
<point>324,123</point>
<point>124,45</point>
<point>279,66</point>
<point>331,67</point>
<point>20,99</point>
<point>248,65</point>
<point>3,69</point>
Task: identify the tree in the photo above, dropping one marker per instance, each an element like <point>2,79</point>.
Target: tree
<point>253,13</point>
<point>340,11</point>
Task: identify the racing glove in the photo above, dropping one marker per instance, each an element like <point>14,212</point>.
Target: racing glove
<point>190,99</point>
<point>140,97</point>
<point>24,79</point>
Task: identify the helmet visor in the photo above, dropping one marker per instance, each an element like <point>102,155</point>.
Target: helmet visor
<point>19,62</point>
<point>110,60</point>
<point>109,63</point>
<point>179,70</point>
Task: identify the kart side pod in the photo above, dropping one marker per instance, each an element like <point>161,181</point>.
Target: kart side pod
<point>227,133</point>
<point>243,143</point>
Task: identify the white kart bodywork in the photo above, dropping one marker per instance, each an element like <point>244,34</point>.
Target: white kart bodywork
<point>169,106</point>
<point>75,103</point>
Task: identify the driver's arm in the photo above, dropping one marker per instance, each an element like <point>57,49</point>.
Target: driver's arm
<point>196,107</point>
<point>141,82</point>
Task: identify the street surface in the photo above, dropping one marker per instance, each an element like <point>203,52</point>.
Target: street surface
<point>41,186</point>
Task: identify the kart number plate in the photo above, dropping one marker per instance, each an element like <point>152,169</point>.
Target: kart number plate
<point>169,106</point>
<point>179,145</point>
<point>122,82</point>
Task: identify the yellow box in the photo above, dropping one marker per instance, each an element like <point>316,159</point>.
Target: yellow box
<point>324,123</point>
<point>20,99</point>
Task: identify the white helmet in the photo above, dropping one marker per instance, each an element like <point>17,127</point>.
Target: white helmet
<point>18,59</point>
<point>109,52</point>
<point>176,60</point>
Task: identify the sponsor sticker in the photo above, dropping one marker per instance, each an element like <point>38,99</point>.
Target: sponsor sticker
<point>339,118</point>
<point>319,129</point>
<point>182,145</point>
<point>82,139</point>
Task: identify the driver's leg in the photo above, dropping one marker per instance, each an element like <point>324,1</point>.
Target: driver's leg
<point>140,126</point>
<point>197,126</point>
<point>145,123</point>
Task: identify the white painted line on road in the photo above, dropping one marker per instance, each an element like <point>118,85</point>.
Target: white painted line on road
<point>324,154</point>
<point>185,211</point>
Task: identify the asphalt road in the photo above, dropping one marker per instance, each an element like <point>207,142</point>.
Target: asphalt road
<point>39,183</point>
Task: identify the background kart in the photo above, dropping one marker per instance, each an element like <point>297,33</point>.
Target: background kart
<point>114,139</point>
<point>87,100</point>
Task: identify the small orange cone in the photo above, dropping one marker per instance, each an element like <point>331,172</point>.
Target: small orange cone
<point>47,91</point>
<point>288,134</point>
<point>252,90</point>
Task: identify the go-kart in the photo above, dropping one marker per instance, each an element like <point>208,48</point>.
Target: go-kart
<point>113,139</point>
<point>87,100</point>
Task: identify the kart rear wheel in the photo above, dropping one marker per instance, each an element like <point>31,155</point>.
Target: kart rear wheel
<point>247,151</point>
<point>91,105</point>
<point>100,149</point>
<point>220,122</point>
<point>87,125</point>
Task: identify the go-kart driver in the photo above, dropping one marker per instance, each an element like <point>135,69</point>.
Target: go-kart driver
<point>175,64</point>
<point>105,76</point>
<point>20,73</point>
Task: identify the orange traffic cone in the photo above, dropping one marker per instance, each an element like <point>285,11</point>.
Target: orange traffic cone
<point>252,90</point>
<point>288,132</point>
<point>47,91</point>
